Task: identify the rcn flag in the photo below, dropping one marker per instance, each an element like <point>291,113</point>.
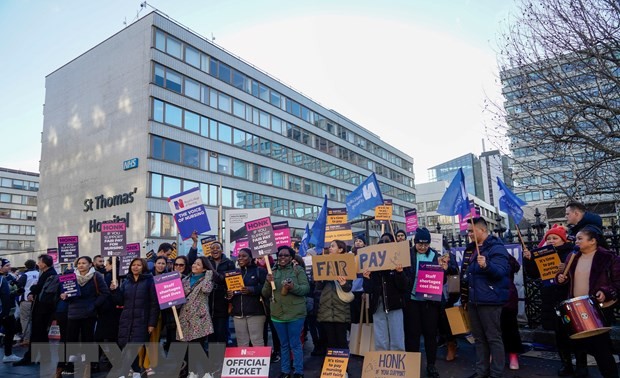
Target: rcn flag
<point>318,229</point>
<point>365,197</point>
<point>304,245</point>
<point>509,202</point>
<point>455,200</point>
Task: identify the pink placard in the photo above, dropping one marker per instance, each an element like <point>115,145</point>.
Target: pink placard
<point>411,221</point>
<point>429,284</point>
<point>282,233</point>
<point>169,288</point>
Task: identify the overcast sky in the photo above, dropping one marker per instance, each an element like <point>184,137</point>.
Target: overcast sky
<point>415,72</point>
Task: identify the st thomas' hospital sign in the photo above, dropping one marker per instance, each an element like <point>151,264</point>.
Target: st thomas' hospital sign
<point>103,202</point>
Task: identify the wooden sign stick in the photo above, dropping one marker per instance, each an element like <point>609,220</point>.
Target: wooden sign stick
<point>268,265</point>
<point>114,281</point>
<point>176,320</point>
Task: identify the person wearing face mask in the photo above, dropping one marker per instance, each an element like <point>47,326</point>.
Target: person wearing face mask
<point>247,307</point>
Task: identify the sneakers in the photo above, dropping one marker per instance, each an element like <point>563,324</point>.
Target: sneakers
<point>136,375</point>
<point>514,361</point>
<point>150,371</point>
<point>11,358</point>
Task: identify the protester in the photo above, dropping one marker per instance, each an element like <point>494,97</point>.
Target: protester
<point>140,309</point>
<point>7,320</point>
<point>248,309</point>
<point>181,265</point>
<point>594,272</point>
<point>288,308</point>
<point>25,282</point>
<point>108,314</point>
<point>445,333</point>
<point>577,217</point>
<point>387,289</point>
<point>269,325</point>
<point>160,265</point>
<point>401,235</point>
<point>99,264</point>
<point>150,359</point>
<point>487,276</point>
<point>508,319</point>
<point>165,250</point>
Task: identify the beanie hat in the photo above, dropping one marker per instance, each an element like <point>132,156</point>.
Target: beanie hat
<point>4,262</point>
<point>558,230</point>
<point>401,232</point>
<point>422,235</point>
<point>360,237</point>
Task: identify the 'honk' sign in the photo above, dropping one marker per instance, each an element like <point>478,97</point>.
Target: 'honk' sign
<point>384,256</point>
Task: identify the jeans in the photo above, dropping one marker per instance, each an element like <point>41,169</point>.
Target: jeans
<point>249,328</point>
<point>290,339</point>
<point>485,325</point>
<point>388,329</point>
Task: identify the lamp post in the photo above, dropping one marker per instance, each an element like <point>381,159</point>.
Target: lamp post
<point>499,227</point>
<point>538,226</point>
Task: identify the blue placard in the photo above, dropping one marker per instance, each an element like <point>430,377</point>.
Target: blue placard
<point>189,213</point>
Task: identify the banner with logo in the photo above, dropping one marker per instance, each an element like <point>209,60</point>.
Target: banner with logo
<point>189,213</point>
<point>113,239</point>
<point>411,221</point>
<point>365,197</point>
<point>68,249</point>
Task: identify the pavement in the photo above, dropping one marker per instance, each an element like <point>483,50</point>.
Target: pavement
<point>542,366</point>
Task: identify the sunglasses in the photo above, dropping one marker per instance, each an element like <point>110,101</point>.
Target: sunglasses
<point>179,264</point>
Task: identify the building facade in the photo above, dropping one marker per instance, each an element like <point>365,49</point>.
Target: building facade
<point>471,170</point>
<point>18,214</point>
<point>157,109</point>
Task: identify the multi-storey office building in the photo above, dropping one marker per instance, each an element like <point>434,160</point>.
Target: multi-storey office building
<point>471,170</point>
<point>186,113</point>
<point>18,213</point>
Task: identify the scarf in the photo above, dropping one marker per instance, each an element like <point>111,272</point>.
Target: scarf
<point>83,279</point>
<point>194,278</point>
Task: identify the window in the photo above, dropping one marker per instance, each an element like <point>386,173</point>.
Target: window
<point>173,47</point>
<point>224,165</point>
<point>173,115</point>
<point>238,79</point>
<point>168,226</point>
<point>240,169</point>
<point>160,40</point>
<point>173,82</point>
<point>155,224</point>
<point>226,197</point>
<point>190,156</point>
<point>264,120</point>
<point>238,138</point>
<point>187,185</point>
<point>158,111</point>
<point>278,179</point>
<point>192,56</point>
<point>263,92</point>
<point>157,149</point>
<point>275,99</point>
<point>192,89</point>
<point>276,125</point>
<point>172,151</point>
<point>224,134</point>
<point>223,103</point>
<point>224,73</point>
<point>159,75</point>
<point>172,186</point>
<point>264,175</point>
<point>192,122</point>
<point>238,108</point>
<point>156,185</point>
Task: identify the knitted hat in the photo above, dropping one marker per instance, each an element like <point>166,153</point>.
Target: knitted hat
<point>401,232</point>
<point>422,235</point>
<point>558,230</point>
<point>4,262</point>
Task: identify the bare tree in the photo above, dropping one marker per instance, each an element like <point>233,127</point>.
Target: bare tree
<point>560,69</point>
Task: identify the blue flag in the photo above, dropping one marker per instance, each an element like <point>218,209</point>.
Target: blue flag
<point>509,202</point>
<point>303,246</point>
<point>455,200</point>
<point>365,197</point>
<point>318,229</point>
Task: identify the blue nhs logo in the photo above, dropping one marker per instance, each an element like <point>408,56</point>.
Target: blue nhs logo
<point>130,164</point>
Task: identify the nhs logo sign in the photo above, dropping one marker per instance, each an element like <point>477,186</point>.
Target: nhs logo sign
<point>130,164</point>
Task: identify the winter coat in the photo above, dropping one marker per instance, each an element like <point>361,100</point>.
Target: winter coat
<point>513,296</point>
<point>390,286</point>
<point>489,286</point>
<point>194,318</point>
<point>411,272</point>
<point>90,299</point>
<point>140,311</point>
<point>5,296</point>
<point>604,274</point>
<point>250,304</point>
<point>331,307</point>
<point>588,218</point>
<point>217,299</point>
<point>45,292</point>
<point>293,305</point>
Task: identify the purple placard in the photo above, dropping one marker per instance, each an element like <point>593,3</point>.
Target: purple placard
<point>68,249</point>
<point>239,244</point>
<point>113,239</point>
<point>189,213</point>
<point>69,285</point>
<point>282,233</point>
<point>132,250</point>
<point>411,221</point>
<point>261,237</point>
<point>54,253</point>
<point>169,288</point>
<point>429,283</point>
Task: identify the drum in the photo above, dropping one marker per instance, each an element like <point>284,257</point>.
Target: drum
<point>582,317</point>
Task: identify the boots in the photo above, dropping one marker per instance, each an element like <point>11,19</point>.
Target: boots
<point>566,370</point>
<point>582,365</point>
<point>451,353</point>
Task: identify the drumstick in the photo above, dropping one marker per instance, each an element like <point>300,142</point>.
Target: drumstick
<point>570,261</point>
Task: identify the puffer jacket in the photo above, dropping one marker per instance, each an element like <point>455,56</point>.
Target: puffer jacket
<point>90,300</point>
<point>331,307</point>
<point>140,311</point>
<point>489,286</point>
<point>293,305</point>
<point>250,304</point>
<point>218,304</point>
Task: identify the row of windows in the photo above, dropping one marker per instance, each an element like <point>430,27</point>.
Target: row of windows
<point>223,72</point>
<point>15,229</point>
<point>212,129</point>
<point>18,199</point>
<point>18,214</point>
<point>19,184</point>
<point>175,116</point>
<point>16,244</point>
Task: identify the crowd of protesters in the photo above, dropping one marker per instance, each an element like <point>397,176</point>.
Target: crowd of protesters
<point>292,305</point>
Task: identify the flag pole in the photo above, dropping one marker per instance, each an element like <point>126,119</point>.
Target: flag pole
<point>520,237</point>
<point>219,213</point>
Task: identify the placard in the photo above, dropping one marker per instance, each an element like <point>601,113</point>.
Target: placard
<point>243,362</point>
<point>169,289</point>
<point>390,364</point>
<point>132,250</point>
<point>335,363</point>
<point>337,216</point>
<point>239,245</point>
<point>261,237</point>
<point>411,221</point>
<point>429,282</point>
<point>113,239</point>
<point>205,243</point>
<point>437,242</point>
<point>68,249</point>
<point>384,212</point>
<point>53,252</point>
<point>338,232</point>
<point>329,267</point>
<point>69,285</point>
<point>235,220</point>
<point>234,282</point>
<point>547,261</point>
<point>189,213</point>
<point>383,256</point>
<point>282,233</point>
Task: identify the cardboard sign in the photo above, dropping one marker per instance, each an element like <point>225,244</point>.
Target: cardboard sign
<point>282,233</point>
<point>458,320</point>
<point>234,281</point>
<point>261,237</point>
<point>338,232</point>
<point>411,221</point>
<point>189,213</point>
<point>429,283</point>
<point>69,285</point>
<point>113,239</point>
<point>337,216</point>
<point>547,261</point>
<point>390,364</point>
<point>384,212</point>
<point>132,250</point>
<point>205,243</point>
<point>329,267</point>
<point>335,363</point>
<point>383,256</point>
<point>169,290</point>
<point>68,249</point>
<point>246,362</point>
<point>437,242</point>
